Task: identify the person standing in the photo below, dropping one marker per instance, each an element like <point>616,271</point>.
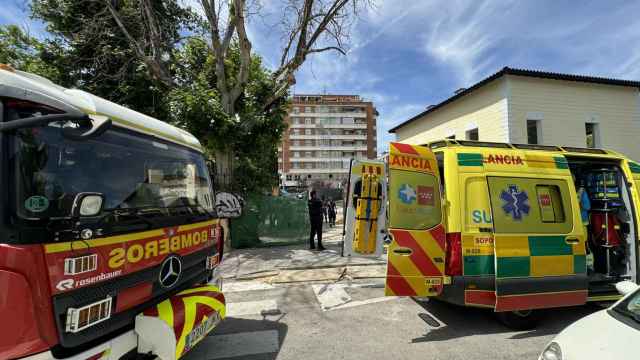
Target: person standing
<point>316,210</point>
<point>325,209</point>
<point>332,213</point>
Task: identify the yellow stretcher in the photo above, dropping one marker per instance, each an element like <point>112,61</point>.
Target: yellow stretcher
<point>366,224</point>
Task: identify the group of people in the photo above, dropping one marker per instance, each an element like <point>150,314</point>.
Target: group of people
<point>319,210</point>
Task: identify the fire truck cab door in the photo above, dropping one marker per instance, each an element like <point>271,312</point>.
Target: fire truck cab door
<point>416,253</point>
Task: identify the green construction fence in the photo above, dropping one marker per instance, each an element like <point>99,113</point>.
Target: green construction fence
<point>270,220</point>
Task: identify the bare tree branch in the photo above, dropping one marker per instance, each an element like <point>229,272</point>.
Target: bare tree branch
<point>154,61</point>
<point>336,48</point>
<point>322,22</point>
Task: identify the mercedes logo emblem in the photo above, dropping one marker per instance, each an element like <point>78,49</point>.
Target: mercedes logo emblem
<point>170,271</point>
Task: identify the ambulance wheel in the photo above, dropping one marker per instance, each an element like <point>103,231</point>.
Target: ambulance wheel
<point>519,320</point>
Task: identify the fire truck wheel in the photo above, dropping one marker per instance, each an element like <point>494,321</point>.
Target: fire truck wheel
<point>519,320</point>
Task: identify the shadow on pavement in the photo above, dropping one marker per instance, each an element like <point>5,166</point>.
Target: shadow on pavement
<point>249,339</point>
<point>467,321</point>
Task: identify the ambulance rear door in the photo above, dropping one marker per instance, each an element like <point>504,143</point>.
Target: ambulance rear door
<point>539,243</point>
<point>416,252</point>
<point>365,209</point>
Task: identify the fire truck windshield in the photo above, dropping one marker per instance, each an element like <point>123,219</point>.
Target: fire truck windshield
<point>131,170</point>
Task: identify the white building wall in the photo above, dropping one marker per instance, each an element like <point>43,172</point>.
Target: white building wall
<point>485,108</point>
<point>565,106</point>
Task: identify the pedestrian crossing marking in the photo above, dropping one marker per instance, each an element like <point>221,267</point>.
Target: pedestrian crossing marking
<point>244,308</point>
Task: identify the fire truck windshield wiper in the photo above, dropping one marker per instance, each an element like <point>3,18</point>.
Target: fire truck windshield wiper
<point>187,204</point>
<point>138,213</point>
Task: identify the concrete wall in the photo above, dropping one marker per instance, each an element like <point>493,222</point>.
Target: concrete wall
<point>563,108</point>
<point>484,108</point>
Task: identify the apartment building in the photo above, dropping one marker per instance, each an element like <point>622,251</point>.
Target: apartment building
<point>535,107</point>
<point>325,132</point>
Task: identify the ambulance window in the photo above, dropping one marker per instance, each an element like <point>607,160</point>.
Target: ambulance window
<point>524,205</point>
<point>414,200</point>
<point>550,203</point>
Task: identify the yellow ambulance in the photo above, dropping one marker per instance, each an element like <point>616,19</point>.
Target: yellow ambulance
<point>510,227</point>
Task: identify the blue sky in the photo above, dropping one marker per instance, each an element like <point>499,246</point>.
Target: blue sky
<point>407,54</point>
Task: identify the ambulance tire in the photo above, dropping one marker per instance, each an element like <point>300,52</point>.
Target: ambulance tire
<point>519,320</point>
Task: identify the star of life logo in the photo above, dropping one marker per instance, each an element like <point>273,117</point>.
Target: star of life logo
<point>515,203</point>
<point>407,194</point>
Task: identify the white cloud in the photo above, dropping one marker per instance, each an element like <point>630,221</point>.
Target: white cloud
<point>392,114</point>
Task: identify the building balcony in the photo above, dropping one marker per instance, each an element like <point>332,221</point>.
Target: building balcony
<point>328,126</point>
<point>319,171</point>
<point>327,137</point>
<point>329,148</point>
<point>362,114</point>
<point>316,159</point>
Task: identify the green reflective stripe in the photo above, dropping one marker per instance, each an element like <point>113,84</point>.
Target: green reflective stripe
<point>514,266</point>
<point>469,159</point>
<point>579,264</point>
<point>561,162</point>
<point>548,246</point>
<point>635,168</point>
<point>479,265</point>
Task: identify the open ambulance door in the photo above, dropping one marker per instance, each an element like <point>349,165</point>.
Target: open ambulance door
<point>539,244</point>
<point>416,253</point>
<point>365,209</point>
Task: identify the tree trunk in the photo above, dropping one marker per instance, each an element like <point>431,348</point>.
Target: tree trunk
<point>224,169</point>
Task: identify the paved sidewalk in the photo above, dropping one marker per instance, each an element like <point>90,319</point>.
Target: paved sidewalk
<point>297,263</point>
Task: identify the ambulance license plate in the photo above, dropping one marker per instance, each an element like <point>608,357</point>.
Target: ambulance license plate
<point>433,281</point>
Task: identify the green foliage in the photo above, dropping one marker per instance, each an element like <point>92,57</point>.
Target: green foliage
<point>86,49</point>
<point>93,54</point>
<point>251,135</point>
<point>25,53</point>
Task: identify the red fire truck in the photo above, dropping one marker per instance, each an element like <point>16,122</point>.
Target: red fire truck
<point>109,240</point>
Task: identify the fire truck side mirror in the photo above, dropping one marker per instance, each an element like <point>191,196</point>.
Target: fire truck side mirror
<point>87,204</point>
<point>94,125</point>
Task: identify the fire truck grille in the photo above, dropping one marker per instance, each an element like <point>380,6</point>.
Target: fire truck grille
<point>193,271</point>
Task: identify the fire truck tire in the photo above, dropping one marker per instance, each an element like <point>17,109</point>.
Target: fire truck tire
<point>519,320</point>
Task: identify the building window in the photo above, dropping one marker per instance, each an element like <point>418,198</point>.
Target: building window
<point>472,134</point>
<point>308,121</point>
<point>593,135</point>
<point>296,154</point>
<point>307,131</point>
<point>296,110</point>
<point>308,109</point>
<point>533,132</point>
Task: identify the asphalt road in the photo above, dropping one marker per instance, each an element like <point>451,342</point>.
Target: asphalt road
<point>355,321</point>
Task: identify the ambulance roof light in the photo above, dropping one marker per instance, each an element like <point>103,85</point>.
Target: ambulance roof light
<point>536,147</point>
<point>484,144</point>
<point>583,150</point>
